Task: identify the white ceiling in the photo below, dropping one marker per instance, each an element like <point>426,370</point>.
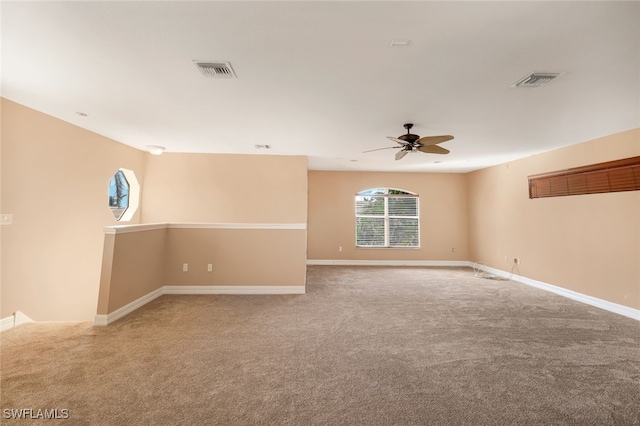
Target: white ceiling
<point>319,78</point>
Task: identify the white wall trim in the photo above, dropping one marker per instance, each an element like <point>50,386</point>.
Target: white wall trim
<point>18,318</point>
<point>583,298</point>
<point>102,320</point>
<point>7,323</point>
<point>125,229</point>
<point>344,262</point>
<point>589,300</point>
<point>237,225</point>
<point>230,289</point>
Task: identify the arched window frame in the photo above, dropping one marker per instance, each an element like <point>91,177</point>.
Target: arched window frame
<point>393,224</point>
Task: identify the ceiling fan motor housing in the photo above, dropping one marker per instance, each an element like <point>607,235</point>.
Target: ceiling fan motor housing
<point>409,137</point>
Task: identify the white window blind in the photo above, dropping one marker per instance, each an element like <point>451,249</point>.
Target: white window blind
<point>387,217</point>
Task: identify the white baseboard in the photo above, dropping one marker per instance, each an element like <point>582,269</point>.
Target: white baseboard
<point>583,298</point>
<point>348,262</point>
<point>18,318</point>
<point>7,323</point>
<point>107,319</point>
<point>230,289</point>
<point>589,300</point>
<point>102,320</point>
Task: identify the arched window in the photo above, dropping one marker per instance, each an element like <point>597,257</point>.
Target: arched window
<point>387,217</point>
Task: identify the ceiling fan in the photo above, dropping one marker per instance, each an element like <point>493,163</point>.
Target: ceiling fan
<point>411,142</point>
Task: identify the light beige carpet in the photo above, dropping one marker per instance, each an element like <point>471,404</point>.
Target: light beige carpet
<point>364,346</point>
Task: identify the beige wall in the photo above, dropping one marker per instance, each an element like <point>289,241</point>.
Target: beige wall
<point>138,262</point>
<point>55,180</point>
<point>443,215</point>
<point>240,257</point>
<point>133,266</point>
<point>52,253</point>
<point>221,188</point>
<point>586,243</point>
<point>213,189</point>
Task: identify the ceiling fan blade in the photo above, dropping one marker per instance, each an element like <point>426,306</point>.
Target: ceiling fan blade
<point>400,141</point>
<point>433,149</point>
<point>432,140</point>
<point>401,154</point>
<point>379,149</point>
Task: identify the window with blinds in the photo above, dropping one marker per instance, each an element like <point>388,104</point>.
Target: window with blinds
<point>612,176</point>
<point>387,217</point>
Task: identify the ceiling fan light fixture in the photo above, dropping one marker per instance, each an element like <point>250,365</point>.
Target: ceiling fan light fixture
<point>410,143</point>
<point>155,149</point>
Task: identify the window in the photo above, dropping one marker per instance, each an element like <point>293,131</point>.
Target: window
<point>387,217</point>
<point>123,194</point>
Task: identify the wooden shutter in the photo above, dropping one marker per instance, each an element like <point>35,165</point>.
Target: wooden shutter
<point>612,176</point>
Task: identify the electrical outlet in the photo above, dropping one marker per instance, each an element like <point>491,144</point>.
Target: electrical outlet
<point>340,248</point>
<point>209,267</point>
<point>6,219</point>
<point>185,267</point>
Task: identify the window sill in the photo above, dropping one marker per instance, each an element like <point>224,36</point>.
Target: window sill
<point>385,248</point>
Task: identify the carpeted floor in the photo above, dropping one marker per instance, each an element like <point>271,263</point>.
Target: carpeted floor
<point>364,346</point>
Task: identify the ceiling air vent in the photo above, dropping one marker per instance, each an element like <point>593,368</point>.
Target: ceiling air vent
<point>536,79</point>
<point>215,69</point>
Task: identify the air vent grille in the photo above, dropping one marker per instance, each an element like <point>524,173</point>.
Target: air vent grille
<point>215,69</point>
<point>536,79</point>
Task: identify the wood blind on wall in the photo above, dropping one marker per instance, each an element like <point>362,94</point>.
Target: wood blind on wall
<point>612,176</point>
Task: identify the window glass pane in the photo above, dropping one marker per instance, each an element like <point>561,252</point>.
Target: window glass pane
<point>387,217</point>
<point>403,232</point>
<point>118,194</point>
<point>403,206</point>
<point>372,191</point>
<point>366,205</point>
<point>369,231</point>
<point>398,191</point>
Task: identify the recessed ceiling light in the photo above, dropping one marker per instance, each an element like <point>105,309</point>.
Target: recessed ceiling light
<point>354,161</point>
<point>82,114</point>
<point>399,43</point>
<point>262,146</point>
